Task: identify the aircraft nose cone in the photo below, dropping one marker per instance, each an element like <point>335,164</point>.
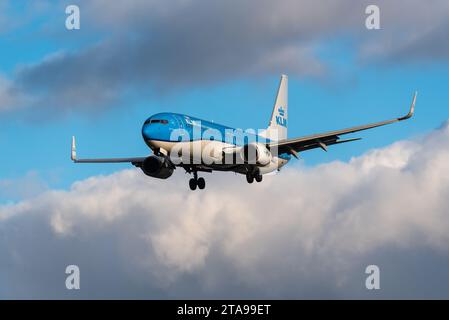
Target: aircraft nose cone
<point>147,132</point>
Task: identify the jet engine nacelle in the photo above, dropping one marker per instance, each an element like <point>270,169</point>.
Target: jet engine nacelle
<point>157,167</point>
<point>256,153</point>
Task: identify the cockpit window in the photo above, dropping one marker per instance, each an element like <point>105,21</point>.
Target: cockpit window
<point>151,121</point>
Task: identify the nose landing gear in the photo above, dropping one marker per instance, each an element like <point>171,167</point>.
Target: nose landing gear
<point>197,182</point>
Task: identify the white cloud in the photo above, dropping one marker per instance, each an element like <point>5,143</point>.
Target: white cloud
<point>24,187</point>
<point>307,232</point>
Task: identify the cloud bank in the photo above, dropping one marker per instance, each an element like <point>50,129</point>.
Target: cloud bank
<point>157,47</point>
<point>304,233</point>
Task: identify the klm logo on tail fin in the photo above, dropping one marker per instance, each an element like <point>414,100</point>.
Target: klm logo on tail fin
<point>277,127</point>
<point>281,111</point>
<point>280,120</point>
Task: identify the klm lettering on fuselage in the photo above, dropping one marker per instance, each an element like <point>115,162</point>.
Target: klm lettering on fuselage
<point>280,120</point>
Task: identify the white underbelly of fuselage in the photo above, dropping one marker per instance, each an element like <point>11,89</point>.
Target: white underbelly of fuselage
<point>207,153</point>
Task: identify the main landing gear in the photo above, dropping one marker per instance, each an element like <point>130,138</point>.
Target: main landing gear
<point>197,182</point>
<point>251,176</point>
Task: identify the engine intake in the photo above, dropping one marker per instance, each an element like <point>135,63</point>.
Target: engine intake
<point>157,167</point>
<point>256,153</point>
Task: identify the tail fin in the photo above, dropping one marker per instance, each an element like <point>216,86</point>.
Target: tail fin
<point>277,129</point>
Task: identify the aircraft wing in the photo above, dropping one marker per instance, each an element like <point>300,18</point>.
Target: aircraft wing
<point>322,140</point>
<point>134,161</point>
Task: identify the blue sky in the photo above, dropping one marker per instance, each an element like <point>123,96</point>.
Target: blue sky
<point>352,93</point>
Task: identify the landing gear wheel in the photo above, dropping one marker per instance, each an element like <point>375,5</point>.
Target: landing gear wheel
<point>249,178</point>
<point>201,183</point>
<point>258,178</point>
<point>192,184</point>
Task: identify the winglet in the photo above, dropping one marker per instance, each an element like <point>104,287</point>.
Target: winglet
<point>73,155</point>
<point>412,108</point>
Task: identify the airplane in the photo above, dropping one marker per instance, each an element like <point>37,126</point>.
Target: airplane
<point>253,156</point>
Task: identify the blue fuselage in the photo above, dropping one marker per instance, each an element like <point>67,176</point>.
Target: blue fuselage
<point>170,128</point>
<point>174,127</point>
